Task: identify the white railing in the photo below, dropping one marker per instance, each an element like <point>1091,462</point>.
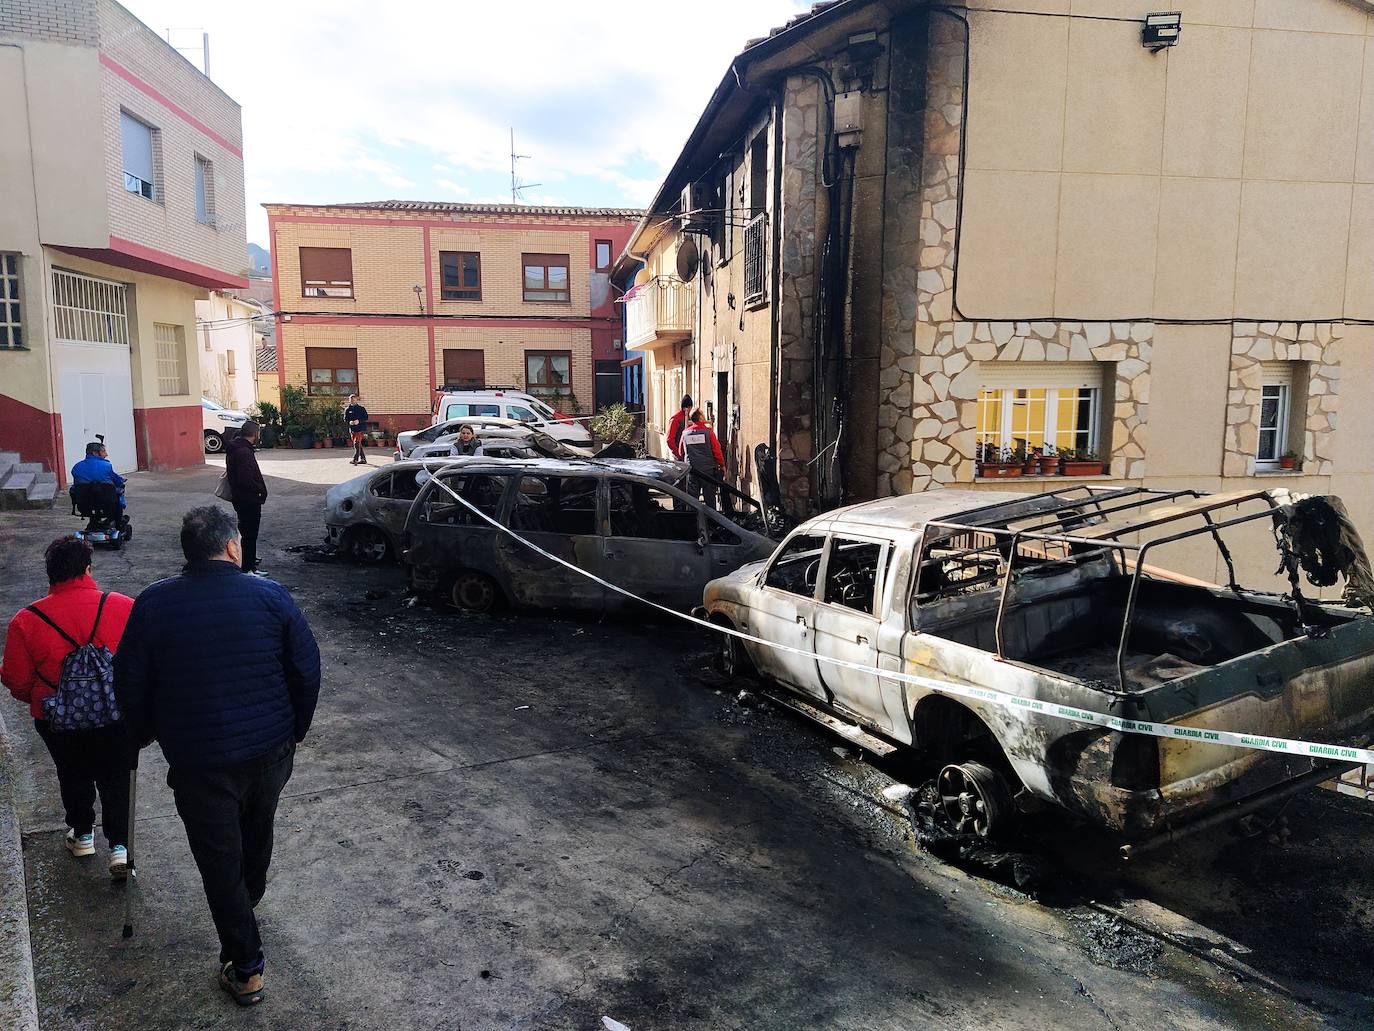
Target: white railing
<point>662,308</point>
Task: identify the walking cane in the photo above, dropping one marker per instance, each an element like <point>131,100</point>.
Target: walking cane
<point>129,847</point>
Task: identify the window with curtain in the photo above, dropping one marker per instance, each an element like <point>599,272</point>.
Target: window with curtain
<point>138,139</point>
<point>331,371</point>
<point>1275,413</point>
<point>548,375</point>
<point>545,277</point>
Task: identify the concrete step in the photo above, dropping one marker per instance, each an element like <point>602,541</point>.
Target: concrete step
<point>25,484</point>
<point>18,482</point>
<point>42,494</point>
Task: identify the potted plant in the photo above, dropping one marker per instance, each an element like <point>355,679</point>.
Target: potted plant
<point>996,462</point>
<point>1049,461</point>
<point>300,435</point>
<point>1030,461</point>
<point>1289,460</point>
<point>391,429</point>
<point>1083,462</point>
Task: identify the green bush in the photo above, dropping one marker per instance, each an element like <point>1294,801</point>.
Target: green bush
<point>268,414</point>
<point>613,423</point>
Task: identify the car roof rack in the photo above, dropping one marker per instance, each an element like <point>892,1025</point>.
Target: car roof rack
<point>466,388</point>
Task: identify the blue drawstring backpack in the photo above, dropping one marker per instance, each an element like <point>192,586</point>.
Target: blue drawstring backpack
<point>84,698</point>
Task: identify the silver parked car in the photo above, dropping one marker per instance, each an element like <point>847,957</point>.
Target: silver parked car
<point>408,440</point>
<point>1052,599</point>
<point>614,518</point>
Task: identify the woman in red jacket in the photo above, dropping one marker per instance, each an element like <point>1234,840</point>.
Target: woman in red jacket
<point>87,761</point>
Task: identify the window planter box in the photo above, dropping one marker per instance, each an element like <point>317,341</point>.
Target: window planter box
<point>998,471</point>
<point>1081,468</point>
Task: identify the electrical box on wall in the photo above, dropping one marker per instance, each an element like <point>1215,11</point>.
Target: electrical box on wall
<point>849,117</point>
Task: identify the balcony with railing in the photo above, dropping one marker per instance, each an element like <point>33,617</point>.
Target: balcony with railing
<point>659,311</point>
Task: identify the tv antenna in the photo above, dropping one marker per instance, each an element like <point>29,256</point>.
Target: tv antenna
<point>516,185</point>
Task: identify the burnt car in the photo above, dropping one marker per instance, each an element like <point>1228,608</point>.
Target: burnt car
<point>608,517</point>
<point>1057,600</point>
<point>365,517</point>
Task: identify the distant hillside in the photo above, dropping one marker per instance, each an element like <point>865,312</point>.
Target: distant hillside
<point>259,261</point>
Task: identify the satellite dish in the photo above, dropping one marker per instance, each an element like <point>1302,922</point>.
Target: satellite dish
<point>643,276</point>
<point>688,260</point>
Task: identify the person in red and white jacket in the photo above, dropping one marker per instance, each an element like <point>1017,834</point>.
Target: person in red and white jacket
<point>702,449</point>
<point>88,761</point>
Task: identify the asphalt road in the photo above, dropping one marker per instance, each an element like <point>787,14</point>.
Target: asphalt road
<point>533,822</point>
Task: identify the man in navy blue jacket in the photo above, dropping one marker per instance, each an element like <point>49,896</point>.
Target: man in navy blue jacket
<point>222,671</point>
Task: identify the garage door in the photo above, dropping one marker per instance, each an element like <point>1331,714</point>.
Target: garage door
<point>91,359</point>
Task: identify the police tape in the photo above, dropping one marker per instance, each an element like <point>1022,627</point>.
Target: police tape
<point>1073,714</point>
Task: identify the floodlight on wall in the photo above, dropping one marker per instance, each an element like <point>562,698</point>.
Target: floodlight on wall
<point>1161,29</point>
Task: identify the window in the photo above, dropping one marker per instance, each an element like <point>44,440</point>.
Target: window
<point>326,271</point>
<point>729,215</point>
<point>758,175</point>
<point>638,510</point>
<point>91,310</point>
<point>456,410</point>
<point>797,566</point>
<point>1275,414</point>
<point>333,371</point>
<point>851,575</point>
<point>399,486</point>
<point>754,250</point>
<point>603,255</point>
<point>464,368</point>
<point>11,330</point>
<point>555,504</point>
<point>139,147</point>
<point>205,191</point>
<point>520,412</point>
<point>1028,408</point>
<point>229,369</point>
<point>171,359</point>
<point>546,277</point>
<point>460,276</point>
<point>483,492</point>
<point>548,375</point>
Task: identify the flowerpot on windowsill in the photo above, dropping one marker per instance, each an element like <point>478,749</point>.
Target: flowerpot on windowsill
<point>1049,466</point>
<point>999,470</point>
<point>1030,467</point>
<point>1288,462</point>
<point>1077,468</point>
<point>318,444</point>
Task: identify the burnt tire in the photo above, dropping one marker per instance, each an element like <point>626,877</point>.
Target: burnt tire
<point>214,442</point>
<point>368,545</point>
<point>475,592</point>
<point>976,800</point>
<point>731,657</point>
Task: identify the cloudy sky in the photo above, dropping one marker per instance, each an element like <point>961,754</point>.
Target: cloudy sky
<point>352,101</point>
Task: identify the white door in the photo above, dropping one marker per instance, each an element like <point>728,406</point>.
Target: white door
<point>846,626</point>
<point>783,609</point>
<point>90,354</point>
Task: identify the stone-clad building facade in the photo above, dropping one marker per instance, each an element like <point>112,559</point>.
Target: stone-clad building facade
<point>1013,227</point>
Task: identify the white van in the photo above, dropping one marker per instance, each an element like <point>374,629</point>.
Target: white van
<point>220,425</point>
<point>509,404</point>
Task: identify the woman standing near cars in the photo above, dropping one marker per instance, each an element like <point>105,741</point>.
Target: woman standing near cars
<point>467,442</point>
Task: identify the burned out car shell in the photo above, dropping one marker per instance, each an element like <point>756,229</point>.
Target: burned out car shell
<point>610,518</point>
<point>1205,658</point>
<point>373,508</point>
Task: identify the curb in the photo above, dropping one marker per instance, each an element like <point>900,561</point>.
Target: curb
<point>18,997</point>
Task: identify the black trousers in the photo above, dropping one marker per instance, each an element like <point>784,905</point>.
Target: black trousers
<point>228,814</point>
<point>250,521</point>
<point>702,489</point>
<point>91,761</point>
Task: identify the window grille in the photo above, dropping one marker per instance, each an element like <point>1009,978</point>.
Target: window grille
<point>88,309</point>
<point>171,359</point>
<point>753,257</point>
<point>11,329</point>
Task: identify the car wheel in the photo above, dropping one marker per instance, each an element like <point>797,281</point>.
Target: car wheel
<point>368,545</point>
<point>214,443</point>
<point>734,660</point>
<point>475,592</point>
<point>975,799</point>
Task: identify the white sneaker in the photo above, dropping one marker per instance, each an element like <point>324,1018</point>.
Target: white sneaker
<point>82,846</point>
<point>119,862</point>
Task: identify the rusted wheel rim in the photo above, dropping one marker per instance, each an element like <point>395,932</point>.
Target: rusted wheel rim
<point>474,592</point>
<point>369,544</point>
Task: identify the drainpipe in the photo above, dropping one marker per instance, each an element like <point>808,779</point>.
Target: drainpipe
<point>775,274</point>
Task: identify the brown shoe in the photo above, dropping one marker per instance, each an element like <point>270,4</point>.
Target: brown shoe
<point>245,993</point>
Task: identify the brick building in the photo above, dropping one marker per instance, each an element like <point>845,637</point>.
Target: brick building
<point>398,298</point>
<point>121,204</point>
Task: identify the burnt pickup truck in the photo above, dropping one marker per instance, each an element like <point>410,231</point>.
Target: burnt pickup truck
<point>1057,597</point>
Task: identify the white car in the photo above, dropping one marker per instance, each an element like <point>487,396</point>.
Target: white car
<point>409,440</point>
<point>510,404</point>
<point>220,424</point>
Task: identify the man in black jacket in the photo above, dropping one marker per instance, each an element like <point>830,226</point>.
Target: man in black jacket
<point>356,417</point>
<point>223,672</point>
<point>247,489</point>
